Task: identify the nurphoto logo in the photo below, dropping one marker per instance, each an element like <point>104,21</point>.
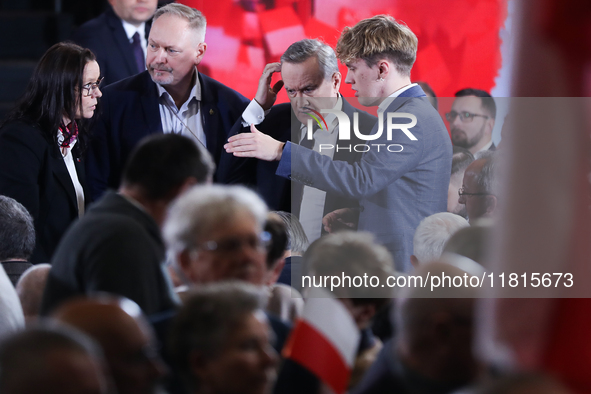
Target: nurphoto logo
<point>344,133</point>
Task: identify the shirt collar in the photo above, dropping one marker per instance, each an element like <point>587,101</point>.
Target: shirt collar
<point>388,100</point>
<point>130,29</point>
<point>195,90</point>
<point>486,147</point>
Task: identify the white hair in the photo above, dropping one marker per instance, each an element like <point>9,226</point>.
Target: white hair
<point>432,234</point>
<point>204,208</point>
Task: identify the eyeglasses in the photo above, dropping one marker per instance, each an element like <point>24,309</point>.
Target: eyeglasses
<point>465,116</point>
<point>461,193</point>
<point>233,245</point>
<point>91,87</point>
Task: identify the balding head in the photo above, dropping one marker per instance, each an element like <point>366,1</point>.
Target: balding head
<point>435,328</point>
<point>118,326</point>
<point>30,289</point>
<point>50,359</point>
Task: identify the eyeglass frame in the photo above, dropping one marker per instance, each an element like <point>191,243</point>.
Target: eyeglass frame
<point>264,241</point>
<point>92,86</point>
<point>463,116</point>
<point>462,193</point>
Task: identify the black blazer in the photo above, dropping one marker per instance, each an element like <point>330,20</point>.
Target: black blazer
<point>33,172</point>
<point>130,112</point>
<point>106,38</point>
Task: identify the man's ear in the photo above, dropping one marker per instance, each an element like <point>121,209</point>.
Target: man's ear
<point>414,261</point>
<point>198,365</point>
<point>336,81</point>
<point>384,69</point>
<point>184,261</point>
<point>201,48</point>
<point>490,125</point>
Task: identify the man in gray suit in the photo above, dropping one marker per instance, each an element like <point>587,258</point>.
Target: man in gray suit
<point>404,173</point>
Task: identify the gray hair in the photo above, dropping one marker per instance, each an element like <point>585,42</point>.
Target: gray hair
<point>350,253</point>
<point>23,362</point>
<point>17,231</point>
<point>206,319</point>
<point>297,238</point>
<point>196,213</point>
<point>460,160</point>
<point>302,50</point>
<point>195,18</point>
<point>432,234</point>
<point>486,179</point>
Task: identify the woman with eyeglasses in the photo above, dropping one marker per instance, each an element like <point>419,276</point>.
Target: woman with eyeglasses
<point>42,143</point>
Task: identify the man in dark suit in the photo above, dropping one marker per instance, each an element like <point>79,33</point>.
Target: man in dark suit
<point>403,176</point>
<point>310,73</point>
<point>472,120</point>
<point>170,97</point>
<point>118,38</point>
<point>117,247</point>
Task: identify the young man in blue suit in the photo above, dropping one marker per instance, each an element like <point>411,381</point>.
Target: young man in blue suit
<point>404,175</point>
<point>119,38</point>
<point>170,97</point>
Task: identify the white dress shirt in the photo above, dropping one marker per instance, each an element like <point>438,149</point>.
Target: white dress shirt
<point>69,161</point>
<point>185,120</point>
<point>312,206</point>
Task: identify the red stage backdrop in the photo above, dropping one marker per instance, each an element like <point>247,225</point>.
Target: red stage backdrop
<point>459,43</point>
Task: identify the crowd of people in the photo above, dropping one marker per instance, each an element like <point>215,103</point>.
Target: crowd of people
<point>156,234</point>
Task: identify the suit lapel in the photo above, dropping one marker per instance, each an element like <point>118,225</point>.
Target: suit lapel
<point>121,40</point>
<point>151,105</point>
<point>209,117</point>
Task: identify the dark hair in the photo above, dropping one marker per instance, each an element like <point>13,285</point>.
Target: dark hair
<point>17,231</point>
<point>488,103</point>
<point>460,159</point>
<point>55,91</point>
<point>278,231</point>
<point>163,162</point>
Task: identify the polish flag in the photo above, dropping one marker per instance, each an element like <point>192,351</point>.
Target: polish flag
<point>545,223</point>
<point>325,340</point>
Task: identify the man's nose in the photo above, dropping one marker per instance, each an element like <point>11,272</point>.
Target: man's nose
<point>349,78</point>
<point>160,56</point>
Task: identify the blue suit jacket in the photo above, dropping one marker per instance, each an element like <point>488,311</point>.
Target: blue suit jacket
<point>106,38</point>
<point>395,190</point>
<point>130,112</point>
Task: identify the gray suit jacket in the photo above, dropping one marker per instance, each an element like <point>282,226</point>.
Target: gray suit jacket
<point>395,190</point>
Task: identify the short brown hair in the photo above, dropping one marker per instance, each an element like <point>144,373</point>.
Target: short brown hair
<point>378,37</point>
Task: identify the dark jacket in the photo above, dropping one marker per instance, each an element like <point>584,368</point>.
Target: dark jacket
<point>33,172</point>
<point>106,38</point>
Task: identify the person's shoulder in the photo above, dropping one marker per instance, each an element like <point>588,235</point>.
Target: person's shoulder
<point>22,130</point>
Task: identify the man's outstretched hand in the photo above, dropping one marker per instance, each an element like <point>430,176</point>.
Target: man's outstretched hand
<point>255,144</point>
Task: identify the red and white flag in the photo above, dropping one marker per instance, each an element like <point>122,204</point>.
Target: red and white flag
<point>545,225</point>
<point>325,340</point>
